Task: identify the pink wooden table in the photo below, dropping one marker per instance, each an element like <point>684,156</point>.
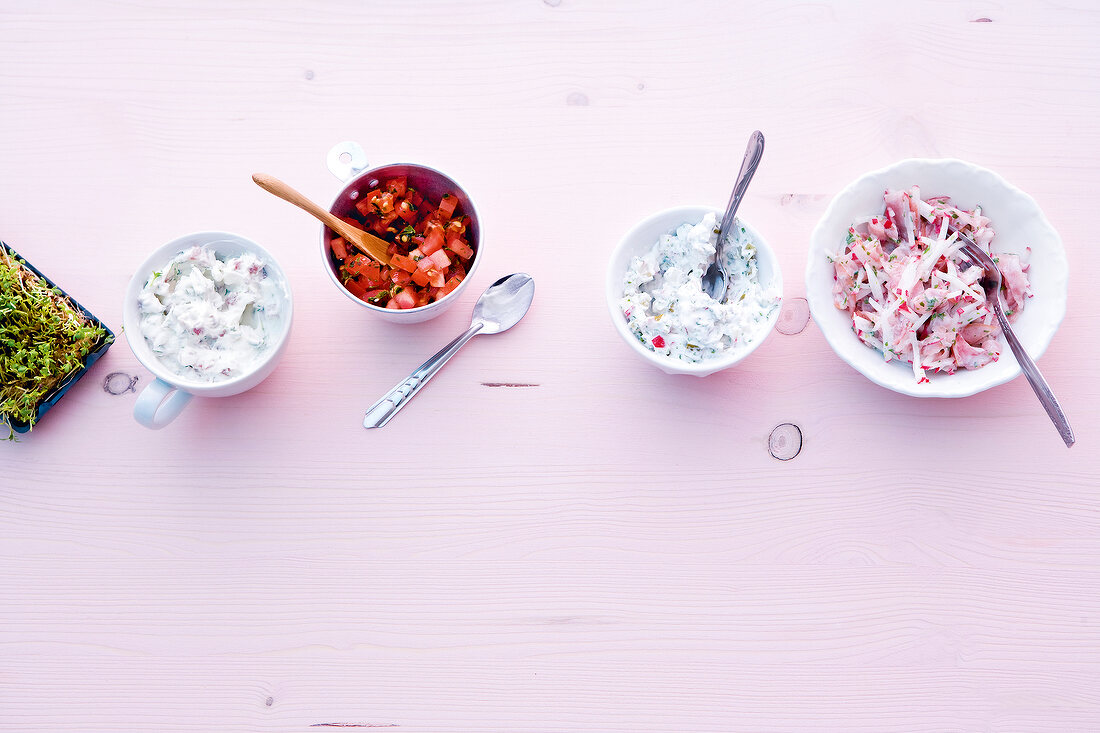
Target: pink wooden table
<point>553,536</point>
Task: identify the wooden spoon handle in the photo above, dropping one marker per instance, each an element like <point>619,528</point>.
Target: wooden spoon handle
<point>368,243</point>
<point>273,185</point>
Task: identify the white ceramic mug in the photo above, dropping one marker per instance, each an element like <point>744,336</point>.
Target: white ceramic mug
<point>164,399</point>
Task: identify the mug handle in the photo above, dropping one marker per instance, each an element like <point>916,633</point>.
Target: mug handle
<point>159,404</point>
<point>346,160</point>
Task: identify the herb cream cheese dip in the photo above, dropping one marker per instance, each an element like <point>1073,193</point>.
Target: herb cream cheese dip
<point>666,308</point>
<point>208,319</point>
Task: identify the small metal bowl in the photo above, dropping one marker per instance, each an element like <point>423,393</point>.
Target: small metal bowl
<point>348,162</point>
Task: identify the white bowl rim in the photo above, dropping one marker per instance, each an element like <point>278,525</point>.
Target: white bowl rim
<point>688,213</point>
<point>940,386</point>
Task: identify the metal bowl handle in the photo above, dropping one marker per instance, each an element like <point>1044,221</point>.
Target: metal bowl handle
<point>345,160</point>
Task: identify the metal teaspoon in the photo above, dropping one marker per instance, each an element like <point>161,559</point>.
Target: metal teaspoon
<point>714,279</point>
<point>500,307</point>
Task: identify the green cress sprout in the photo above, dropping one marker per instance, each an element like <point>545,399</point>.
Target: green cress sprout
<point>43,340</point>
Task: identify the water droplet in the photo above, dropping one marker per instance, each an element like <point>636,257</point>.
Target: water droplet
<point>269,701</point>
<point>117,383</point>
<point>577,99</point>
<point>641,86</point>
<point>793,317</point>
<point>309,74</point>
<point>785,442</point>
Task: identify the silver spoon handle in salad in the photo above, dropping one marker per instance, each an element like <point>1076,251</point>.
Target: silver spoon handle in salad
<point>382,411</point>
<point>754,151</point>
<point>1035,379</point>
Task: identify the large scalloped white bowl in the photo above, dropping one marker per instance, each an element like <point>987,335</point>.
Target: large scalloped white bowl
<point>1018,222</point>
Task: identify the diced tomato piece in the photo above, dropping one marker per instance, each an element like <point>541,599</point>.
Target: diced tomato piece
<point>392,305</point>
<point>433,242</point>
<point>377,297</point>
<point>397,186</point>
<point>460,248</point>
<point>437,279</point>
<point>456,226</point>
<point>355,287</point>
<point>426,264</point>
<point>371,273</point>
<point>406,298</point>
<point>441,259</point>
<point>405,263</point>
<point>420,278</point>
<point>452,283</point>
<point>416,255</point>
<point>382,204</point>
<point>406,210</point>
<point>415,196</point>
<point>375,203</point>
<point>400,277</point>
<point>435,218</point>
<point>447,205</point>
<point>433,293</point>
<point>339,251</point>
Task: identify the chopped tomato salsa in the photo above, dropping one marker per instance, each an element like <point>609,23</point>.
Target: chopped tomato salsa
<point>429,247</point>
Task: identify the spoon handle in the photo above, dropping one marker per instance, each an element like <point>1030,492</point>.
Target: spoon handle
<point>384,409</point>
<point>754,151</point>
<point>363,240</point>
<point>1035,378</point>
<point>274,186</point>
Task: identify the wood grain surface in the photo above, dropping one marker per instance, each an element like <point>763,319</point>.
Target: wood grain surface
<point>553,536</point>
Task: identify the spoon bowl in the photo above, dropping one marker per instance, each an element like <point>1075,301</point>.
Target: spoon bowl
<point>504,303</point>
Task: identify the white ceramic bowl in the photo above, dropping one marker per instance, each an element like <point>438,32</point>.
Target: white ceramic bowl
<point>433,184</point>
<point>640,240</point>
<point>1018,222</point>
<point>163,400</point>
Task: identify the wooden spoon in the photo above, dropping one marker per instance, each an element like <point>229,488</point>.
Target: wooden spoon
<point>368,244</point>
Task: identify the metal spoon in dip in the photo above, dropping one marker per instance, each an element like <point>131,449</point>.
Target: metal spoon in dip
<point>715,278</point>
<point>500,307</point>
